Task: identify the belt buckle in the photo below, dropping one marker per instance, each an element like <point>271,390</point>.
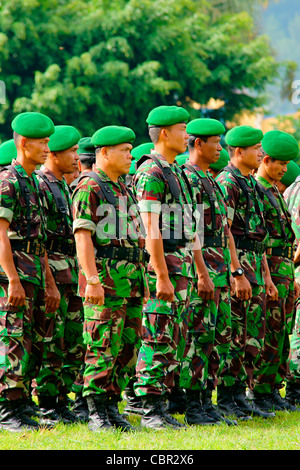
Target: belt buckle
<point>37,249</point>
<point>269,251</point>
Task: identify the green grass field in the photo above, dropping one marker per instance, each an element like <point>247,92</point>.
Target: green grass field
<point>279,433</point>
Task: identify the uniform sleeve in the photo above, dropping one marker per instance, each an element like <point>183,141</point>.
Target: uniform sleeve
<point>7,199</point>
<point>84,210</point>
<point>149,192</point>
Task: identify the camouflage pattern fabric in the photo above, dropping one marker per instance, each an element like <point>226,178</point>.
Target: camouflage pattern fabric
<point>208,339</point>
<point>279,314</point>
<point>154,195</point>
<point>248,317</point>
<point>13,208</point>
<point>120,278</point>
<point>164,330</point>
<point>209,322</point>
<point>164,323</point>
<point>64,267</point>
<point>64,349</point>
<point>22,331</point>
<point>292,198</point>
<point>237,212</point>
<point>112,332</point>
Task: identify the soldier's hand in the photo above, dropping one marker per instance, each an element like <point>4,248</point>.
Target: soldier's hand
<point>232,285</point>
<point>52,297</point>
<point>271,291</point>
<point>297,290</point>
<point>94,294</point>
<point>165,289</point>
<point>206,288</point>
<point>243,288</point>
<point>16,294</point>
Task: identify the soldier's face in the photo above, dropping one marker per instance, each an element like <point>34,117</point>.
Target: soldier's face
<point>252,156</point>
<point>211,149</point>
<point>36,150</point>
<point>275,168</point>
<point>119,158</point>
<point>67,160</point>
<point>177,137</point>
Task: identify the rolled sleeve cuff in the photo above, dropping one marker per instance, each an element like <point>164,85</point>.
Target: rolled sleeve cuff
<point>6,214</point>
<point>150,206</point>
<point>84,224</point>
<point>230,213</point>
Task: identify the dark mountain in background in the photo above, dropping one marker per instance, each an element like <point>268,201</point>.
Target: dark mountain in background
<point>280,20</point>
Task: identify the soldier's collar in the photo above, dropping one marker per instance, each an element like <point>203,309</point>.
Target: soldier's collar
<point>197,167</point>
<point>162,159</point>
<point>263,181</point>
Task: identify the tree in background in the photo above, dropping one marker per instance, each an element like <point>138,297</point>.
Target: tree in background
<point>100,62</point>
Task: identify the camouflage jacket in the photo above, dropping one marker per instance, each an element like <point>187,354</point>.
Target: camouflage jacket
<point>59,228</point>
<point>154,195</point>
<point>92,212</point>
<point>239,214</point>
<point>292,199</point>
<point>215,224</point>
<point>280,232</point>
<point>23,225</point>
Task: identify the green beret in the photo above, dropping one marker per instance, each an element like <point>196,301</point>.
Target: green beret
<point>182,158</point>
<point>243,136</point>
<point>280,145</point>
<point>63,138</point>
<point>33,125</point>
<point>221,162</point>
<point>167,116</point>
<point>112,135</point>
<point>141,150</point>
<point>293,171</point>
<point>86,146</point>
<point>8,151</point>
<point>204,126</point>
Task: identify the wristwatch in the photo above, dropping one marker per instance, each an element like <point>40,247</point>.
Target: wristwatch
<point>93,280</point>
<point>238,272</point>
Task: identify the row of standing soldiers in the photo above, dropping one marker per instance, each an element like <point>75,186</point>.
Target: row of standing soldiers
<point>163,278</point>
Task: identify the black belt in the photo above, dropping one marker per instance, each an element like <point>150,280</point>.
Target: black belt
<point>216,241</point>
<point>285,252</point>
<point>65,247</point>
<point>137,255</point>
<point>31,247</point>
<point>247,244</point>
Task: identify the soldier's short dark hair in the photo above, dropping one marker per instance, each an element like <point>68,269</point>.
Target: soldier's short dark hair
<point>192,140</point>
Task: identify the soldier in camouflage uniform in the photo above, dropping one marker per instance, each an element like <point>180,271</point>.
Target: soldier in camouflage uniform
<point>292,172</point>
<point>27,288</point>
<point>209,322</point>
<point>292,198</point>
<point>163,198</point>
<point>110,245</point>
<point>86,154</point>
<point>64,349</point>
<point>250,271</point>
<point>279,148</point>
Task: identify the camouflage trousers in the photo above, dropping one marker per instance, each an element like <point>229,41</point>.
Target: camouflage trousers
<point>112,334</point>
<point>208,339</point>
<point>64,349</point>
<point>163,338</point>
<point>248,327</point>
<point>22,330</point>
<point>279,324</point>
<point>293,373</point>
